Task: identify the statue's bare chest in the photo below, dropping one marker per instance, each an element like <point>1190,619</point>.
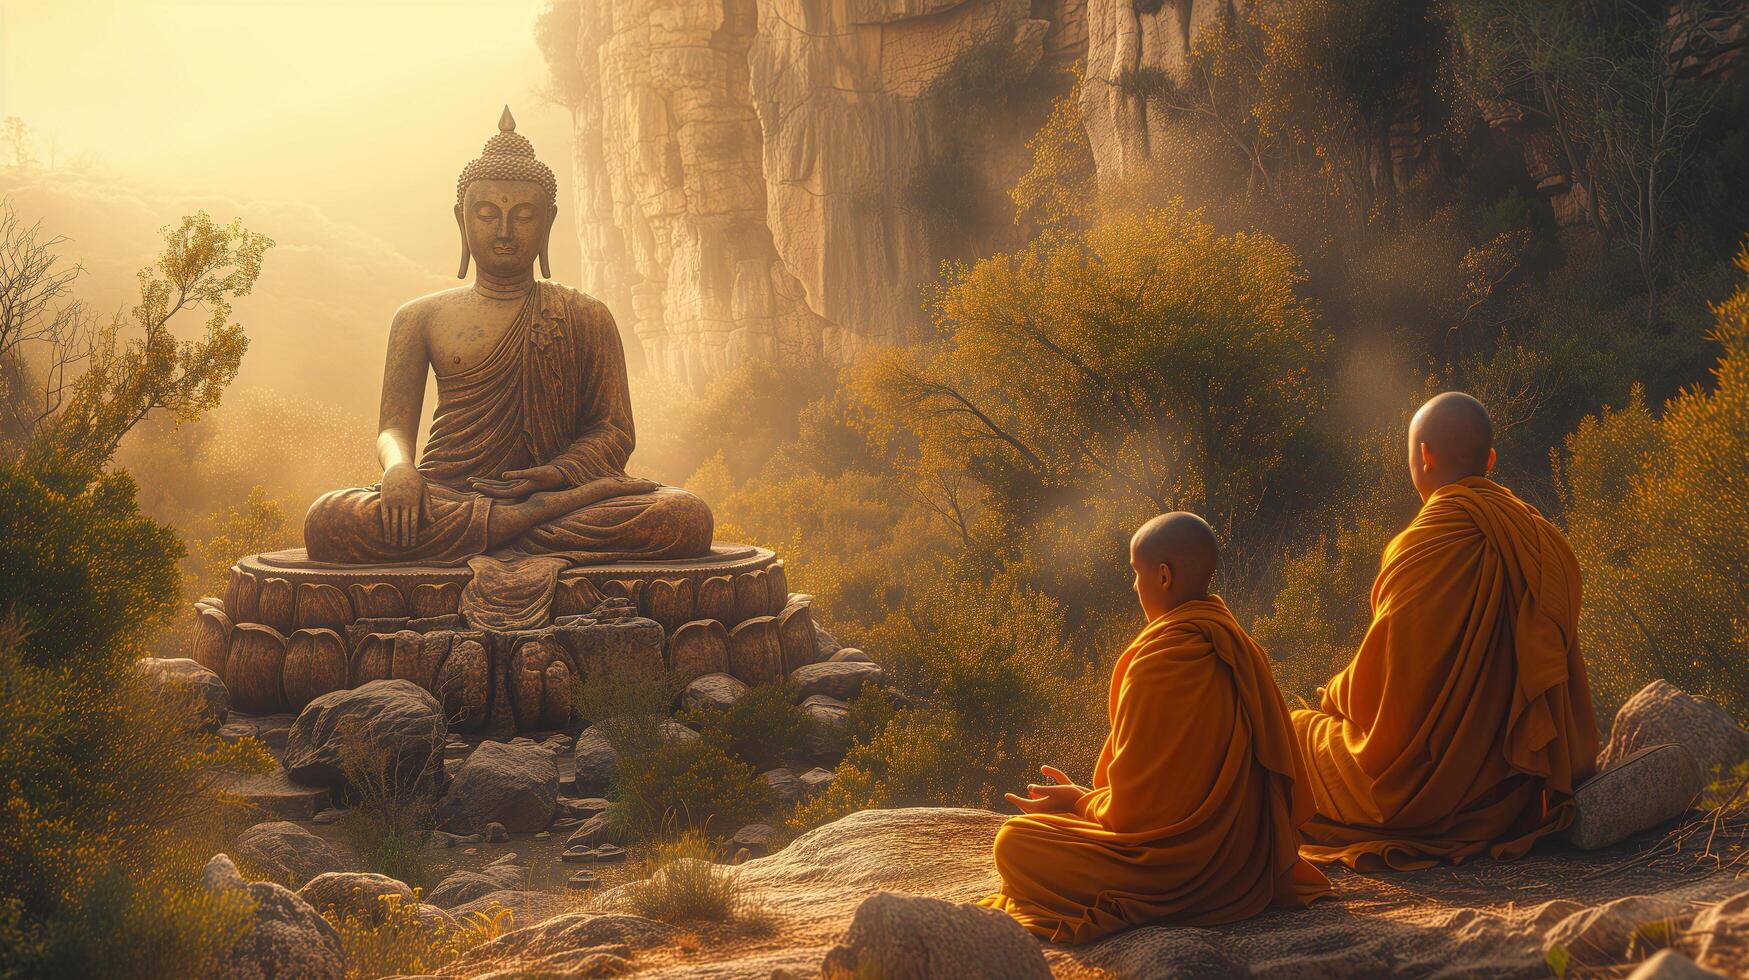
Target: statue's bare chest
<point>460,334</point>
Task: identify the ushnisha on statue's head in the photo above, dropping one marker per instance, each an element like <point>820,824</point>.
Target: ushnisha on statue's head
<point>505,203</point>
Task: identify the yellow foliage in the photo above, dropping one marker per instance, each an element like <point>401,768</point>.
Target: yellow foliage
<point>399,937</point>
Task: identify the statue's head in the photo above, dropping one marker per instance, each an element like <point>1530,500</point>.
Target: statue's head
<point>505,203</point>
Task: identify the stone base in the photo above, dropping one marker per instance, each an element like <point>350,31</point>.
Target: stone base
<point>289,630</point>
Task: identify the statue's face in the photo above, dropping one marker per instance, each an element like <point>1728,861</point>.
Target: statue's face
<point>505,223</point>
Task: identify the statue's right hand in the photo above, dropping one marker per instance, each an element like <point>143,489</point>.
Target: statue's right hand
<point>403,505</point>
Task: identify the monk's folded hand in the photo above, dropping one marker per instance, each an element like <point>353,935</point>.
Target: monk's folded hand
<point>403,505</point>
<point>515,484</point>
<point>1058,796</point>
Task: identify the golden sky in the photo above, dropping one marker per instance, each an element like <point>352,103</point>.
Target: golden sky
<point>364,109</point>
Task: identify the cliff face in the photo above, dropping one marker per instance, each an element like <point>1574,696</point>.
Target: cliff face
<point>779,179</point>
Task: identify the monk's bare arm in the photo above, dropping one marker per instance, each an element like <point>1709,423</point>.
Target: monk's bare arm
<point>404,370</point>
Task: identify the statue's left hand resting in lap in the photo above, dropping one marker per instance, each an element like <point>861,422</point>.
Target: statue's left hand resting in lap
<point>533,425</point>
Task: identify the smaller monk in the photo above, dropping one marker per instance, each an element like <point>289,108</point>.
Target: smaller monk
<point>1197,800</point>
<point>1463,724</point>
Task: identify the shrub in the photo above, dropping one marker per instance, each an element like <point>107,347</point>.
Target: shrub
<point>397,939</point>
<point>108,808</point>
<point>692,785</point>
<point>760,729</point>
<point>393,810</point>
<point>627,700</point>
<point>683,885</point>
<point>918,760</point>
<point>1658,514</point>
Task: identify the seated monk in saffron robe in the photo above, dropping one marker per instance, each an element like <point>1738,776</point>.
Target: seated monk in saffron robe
<point>1197,798</point>
<point>1464,722</point>
<point>533,424</point>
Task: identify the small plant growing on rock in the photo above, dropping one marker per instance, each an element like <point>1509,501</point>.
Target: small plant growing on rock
<point>761,728</point>
<point>683,885</point>
<point>393,809</point>
<point>628,701</point>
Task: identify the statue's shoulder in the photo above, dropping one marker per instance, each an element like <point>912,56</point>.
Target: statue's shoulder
<point>420,309</point>
<point>578,304</point>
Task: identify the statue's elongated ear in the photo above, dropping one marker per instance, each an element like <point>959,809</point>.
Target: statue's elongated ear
<point>462,273</point>
<point>546,238</point>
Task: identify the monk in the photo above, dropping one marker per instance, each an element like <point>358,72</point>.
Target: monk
<point>1197,798</point>
<point>1463,724</point>
<point>533,426</point>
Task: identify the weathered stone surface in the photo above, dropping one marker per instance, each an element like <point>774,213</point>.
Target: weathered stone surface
<point>540,679</point>
<point>914,936</point>
<point>815,780</point>
<point>275,794</point>
<point>756,839</point>
<point>211,644</point>
<point>315,663</point>
<point>752,596</point>
<point>397,715</point>
<point>1662,713</point>
<point>1718,936</point>
<point>698,648</point>
<point>824,644</point>
<point>461,887</point>
<point>712,691</point>
<point>221,874</point>
<point>823,740</point>
<point>289,852</point>
<point>596,831</point>
<point>277,605</point>
<point>516,786</point>
<point>795,635</point>
<point>716,599</point>
<point>850,655</point>
<point>284,940</point>
<point>755,655</point>
<point>463,683</point>
<point>353,891</point>
<point>1601,934</point>
<point>578,944</point>
<point>785,787</point>
<point>842,679</point>
<point>255,668</point>
<point>597,761</point>
<point>377,599</point>
<point>1668,964</point>
<point>596,644</point>
<point>322,606</point>
<point>187,681</point>
<point>434,599</point>
<point>1655,784</point>
<point>670,601</point>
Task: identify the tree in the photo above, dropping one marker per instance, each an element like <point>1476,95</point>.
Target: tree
<point>1658,513</point>
<point>203,267</point>
<point>45,333</point>
<point>16,135</point>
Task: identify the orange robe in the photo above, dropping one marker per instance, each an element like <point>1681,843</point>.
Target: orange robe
<point>1196,803</point>
<point>1464,722</point>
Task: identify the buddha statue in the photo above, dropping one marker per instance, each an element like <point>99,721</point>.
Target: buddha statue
<point>528,445</point>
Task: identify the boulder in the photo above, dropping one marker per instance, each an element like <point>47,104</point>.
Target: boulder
<point>597,760</point>
<point>1661,713</point>
<point>1603,933</point>
<point>462,887</point>
<point>513,784</point>
<point>284,939</point>
<point>824,739</point>
<point>851,655</point>
<point>1655,784</point>
<point>815,780</point>
<point>1668,964</point>
<point>1720,934</point>
<point>824,645</point>
<point>353,891</point>
<point>181,678</point>
<point>496,834</point>
<point>275,794</point>
<point>574,944</point>
<point>755,838</point>
<point>582,808</point>
<point>288,852</point>
<point>712,691</point>
<point>837,679</point>
<point>596,831</point>
<point>894,935</point>
<point>399,716</point>
<point>785,787</point>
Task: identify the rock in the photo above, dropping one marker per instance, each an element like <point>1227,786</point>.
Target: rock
<point>851,655</point>
<point>275,794</point>
<point>712,691</point>
<point>824,645</point>
<point>824,739</point>
<point>461,887</point>
<point>1661,713</point>
<point>597,830</point>
<point>288,852</point>
<point>495,833</point>
<point>583,808</point>
<point>597,760</point>
<point>399,716</point>
<point>221,873</point>
<point>912,936</point>
<point>236,731</point>
<point>755,838</point>
<point>1655,784</point>
<point>582,879</point>
<point>1602,933</point>
<point>815,780</point>
<point>284,939</point>
<point>841,679</point>
<point>785,787</point>
<point>567,945</point>
<point>327,817</point>
<point>1720,934</point>
<point>353,891</point>
<point>513,785</point>
<point>1668,964</point>
<point>187,680</point>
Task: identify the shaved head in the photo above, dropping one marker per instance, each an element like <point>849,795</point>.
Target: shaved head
<point>1457,435</point>
<point>1182,542</point>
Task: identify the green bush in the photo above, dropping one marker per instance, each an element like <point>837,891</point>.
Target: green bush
<point>683,884</point>
<point>760,729</point>
<point>690,785</point>
<point>393,810</point>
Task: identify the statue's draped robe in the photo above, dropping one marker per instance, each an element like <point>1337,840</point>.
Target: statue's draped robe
<point>1196,803</point>
<point>552,391</point>
<point>1464,722</point>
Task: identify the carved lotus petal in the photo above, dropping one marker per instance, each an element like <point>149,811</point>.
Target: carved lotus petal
<point>698,648</point>
<point>276,605</point>
<point>435,599</point>
<point>777,583</point>
<point>212,639</point>
<point>322,606</point>
<point>795,634</point>
<point>716,599</point>
<point>255,668</point>
<point>371,599</point>
<point>315,663</point>
<point>371,658</point>
<point>755,654</point>
<point>463,682</point>
<point>752,596</point>
<point>669,601</point>
<point>240,597</point>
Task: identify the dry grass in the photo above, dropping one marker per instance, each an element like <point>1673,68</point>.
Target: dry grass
<point>398,938</point>
<point>393,810</point>
<point>684,886</point>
